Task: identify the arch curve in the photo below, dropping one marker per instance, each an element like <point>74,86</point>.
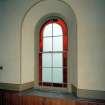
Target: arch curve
<point>31,23</point>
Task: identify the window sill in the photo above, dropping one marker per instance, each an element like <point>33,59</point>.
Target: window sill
<point>50,94</point>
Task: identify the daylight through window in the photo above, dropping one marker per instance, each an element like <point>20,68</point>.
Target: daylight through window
<point>53,53</point>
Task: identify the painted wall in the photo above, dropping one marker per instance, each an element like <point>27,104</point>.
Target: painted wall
<point>12,13</point>
<point>91,40</point>
<point>91,43</point>
<point>9,44</point>
<point>0,29</point>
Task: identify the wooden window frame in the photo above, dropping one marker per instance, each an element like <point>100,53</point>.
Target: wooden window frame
<point>65,52</point>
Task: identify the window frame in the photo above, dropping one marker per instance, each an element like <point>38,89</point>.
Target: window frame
<point>64,52</point>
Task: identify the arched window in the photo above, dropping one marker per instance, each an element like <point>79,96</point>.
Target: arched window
<point>53,47</point>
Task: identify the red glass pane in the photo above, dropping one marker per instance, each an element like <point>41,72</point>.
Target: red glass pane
<point>40,67</point>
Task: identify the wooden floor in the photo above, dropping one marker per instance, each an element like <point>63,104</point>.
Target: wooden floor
<point>14,98</point>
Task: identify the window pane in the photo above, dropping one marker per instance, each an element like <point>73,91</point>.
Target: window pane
<point>57,30</point>
<point>57,60</point>
<point>47,44</point>
<point>58,43</point>
<point>48,30</point>
<point>46,60</point>
<point>57,75</point>
<point>46,75</point>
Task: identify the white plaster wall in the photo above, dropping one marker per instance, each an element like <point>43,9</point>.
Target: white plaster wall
<point>91,43</point>
<point>0,29</point>
<point>12,13</point>
<point>9,44</point>
<point>91,40</point>
<point>1,34</point>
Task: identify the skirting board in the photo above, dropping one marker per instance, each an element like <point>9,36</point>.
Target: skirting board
<point>82,93</point>
<point>16,87</point>
<point>90,94</point>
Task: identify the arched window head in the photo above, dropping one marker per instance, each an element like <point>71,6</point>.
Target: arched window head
<point>53,53</point>
<point>56,27</point>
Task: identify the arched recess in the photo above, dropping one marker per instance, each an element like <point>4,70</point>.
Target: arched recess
<point>31,24</point>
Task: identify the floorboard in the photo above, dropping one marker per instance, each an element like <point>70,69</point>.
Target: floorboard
<point>35,97</point>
